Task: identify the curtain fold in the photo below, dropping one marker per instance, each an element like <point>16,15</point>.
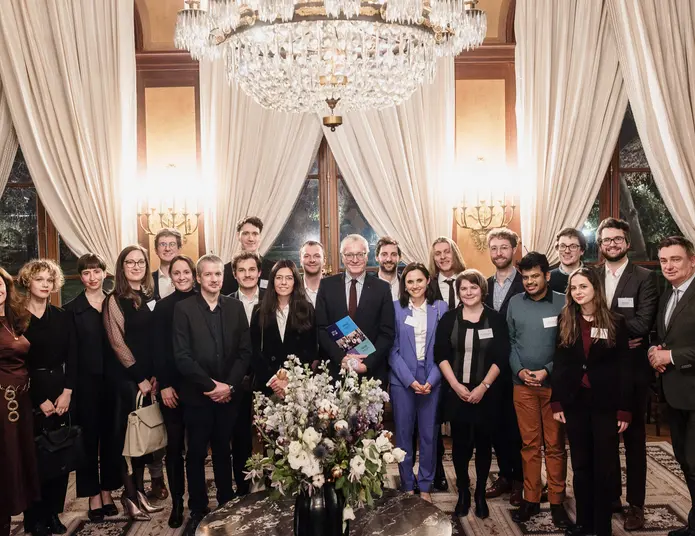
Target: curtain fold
<point>656,46</point>
<point>8,141</point>
<point>570,106</point>
<point>255,161</point>
<point>68,69</point>
<point>397,163</point>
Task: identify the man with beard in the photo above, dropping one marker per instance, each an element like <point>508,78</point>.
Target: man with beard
<point>312,259</point>
<point>532,322</point>
<point>388,255</point>
<point>250,233</point>
<point>631,291</point>
<point>570,245</point>
<point>506,441</point>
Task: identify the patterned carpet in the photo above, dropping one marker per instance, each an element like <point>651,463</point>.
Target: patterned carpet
<point>666,509</point>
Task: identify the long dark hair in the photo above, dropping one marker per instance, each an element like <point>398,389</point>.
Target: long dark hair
<point>301,314</point>
<point>604,318</point>
<point>122,288</point>
<point>403,296</point>
<point>16,314</point>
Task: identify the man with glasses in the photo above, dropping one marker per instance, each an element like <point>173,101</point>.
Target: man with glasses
<point>570,245</point>
<point>631,291</point>
<point>506,441</point>
<point>167,243</point>
<point>367,300</point>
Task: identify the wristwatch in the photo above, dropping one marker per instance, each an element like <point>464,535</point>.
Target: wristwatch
<point>487,385</point>
<point>231,388</point>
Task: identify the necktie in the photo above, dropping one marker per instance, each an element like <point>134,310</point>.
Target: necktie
<point>452,294</point>
<point>352,302</point>
<point>674,304</point>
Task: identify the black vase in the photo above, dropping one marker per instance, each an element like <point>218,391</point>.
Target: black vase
<point>321,514</point>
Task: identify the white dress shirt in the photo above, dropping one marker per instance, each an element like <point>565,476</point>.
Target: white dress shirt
<point>311,294</point>
<point>444,287</point>
<point>360,284</point>
<point>395,286</point>
<point>249,303</point>
<point>420,317</point>
<point>281,316</point>
<point>612,280</point>
<point>166,285</point>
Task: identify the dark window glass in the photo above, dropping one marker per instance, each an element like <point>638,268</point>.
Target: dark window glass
<point>352,221</point>
<point>68,260</point>
<point>18,228</point>
<point>631,151</point>
<point>589,232</point>
<point>19,174</point>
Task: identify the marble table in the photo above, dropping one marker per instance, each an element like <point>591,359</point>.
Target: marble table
<point>394,514</point>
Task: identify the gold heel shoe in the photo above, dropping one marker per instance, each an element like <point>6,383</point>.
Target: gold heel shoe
<point>132,511</point>
<point>146,505</point>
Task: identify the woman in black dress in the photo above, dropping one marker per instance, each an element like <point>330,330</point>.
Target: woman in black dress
<point>52,362</point>
<point>18,470</point>
<point>100,474</point>
<point>182,271</point>
<point>283,324</point>
<point>471,346</point>
<point>128,322</point>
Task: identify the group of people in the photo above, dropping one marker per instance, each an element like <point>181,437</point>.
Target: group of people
<point>515,363</point>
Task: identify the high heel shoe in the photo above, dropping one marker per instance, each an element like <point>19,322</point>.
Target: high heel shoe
<point>146,506</point>
<point>132,510</point>
<point>464,503</point>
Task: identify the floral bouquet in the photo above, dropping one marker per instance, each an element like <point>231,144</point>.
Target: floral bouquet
<point>324,431</point>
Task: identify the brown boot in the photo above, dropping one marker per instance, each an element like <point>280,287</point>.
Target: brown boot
<point>634,518</point>
<point>517,494</point>
<point>498,488</point>
<point>158,490</point>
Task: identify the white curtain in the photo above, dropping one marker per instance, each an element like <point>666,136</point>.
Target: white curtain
<point>656,44</point>
<point>569,109</point>
<point>68,69</point>
<point>255,161</point>
<point>8,141</point>
<point>397,163</point>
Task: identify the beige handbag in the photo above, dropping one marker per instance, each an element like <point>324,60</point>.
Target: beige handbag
<point>146,432</point>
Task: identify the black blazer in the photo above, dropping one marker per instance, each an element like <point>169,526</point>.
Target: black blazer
<point>609,370</point>
<point>375,316</point>
<point>516,288</point>
<point>434,285</point>
<point>270,351</point>
<point>155,279</point>
<point>195,349</point>
<point>678,380</point>
<point>230,285</point>
<point>94,352</point>
<point>639,284</point>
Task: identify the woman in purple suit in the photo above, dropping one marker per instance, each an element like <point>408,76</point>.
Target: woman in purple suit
<point>414,376</point>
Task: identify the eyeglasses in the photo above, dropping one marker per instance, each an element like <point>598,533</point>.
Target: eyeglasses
<point>355,256</point>
<point>140,264</point>
<point>618,241</point>
<point>565,247</point>
<point>500,249</point>
<point>170,245</point>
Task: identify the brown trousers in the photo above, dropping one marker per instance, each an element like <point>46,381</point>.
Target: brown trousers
<point>538,429</point>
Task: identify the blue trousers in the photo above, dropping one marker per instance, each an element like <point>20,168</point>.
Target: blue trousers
<point>409,408</point>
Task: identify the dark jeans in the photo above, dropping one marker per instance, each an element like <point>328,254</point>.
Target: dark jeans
<point>593,439</point>
<point>506,439</point>
<point>176,434</point>
<point>242,441</point>
<point>635,441</point>
<point>465,438</point>
<point>212,425</point>
<point>682,423</point>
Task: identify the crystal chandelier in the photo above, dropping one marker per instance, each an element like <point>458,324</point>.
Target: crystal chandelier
<point>298,56</point>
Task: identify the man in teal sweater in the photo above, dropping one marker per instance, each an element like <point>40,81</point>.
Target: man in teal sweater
<point>532,320</point>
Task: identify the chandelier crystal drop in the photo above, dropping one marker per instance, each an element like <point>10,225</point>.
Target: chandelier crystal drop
<point>299,56</point>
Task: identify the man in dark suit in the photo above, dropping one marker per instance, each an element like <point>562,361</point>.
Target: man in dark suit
<point>388,255</point>
<point>674,357</point>
<point>506,439</point>
<point>250,233</point>
<point>212,351</point>
<point>367,300</point>
<point>631,291</point>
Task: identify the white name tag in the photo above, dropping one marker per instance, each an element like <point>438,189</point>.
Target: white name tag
<point>263,283</point>
<point>410,321</point>
<point>151,304</point>
<point>485,333</point>
<point>550,322</point>
<point>599,333</point>
<point>626,302</point>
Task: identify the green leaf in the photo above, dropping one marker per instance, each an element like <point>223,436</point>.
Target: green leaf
<point>340,483</point>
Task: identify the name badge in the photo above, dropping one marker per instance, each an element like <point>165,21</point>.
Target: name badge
<point>597,333</point>
<point>550,322</point>
<point>263,283</point>
<point>410,321</point>
<point>151,304</point>
<point>485,333</point>
<point>626,302</point>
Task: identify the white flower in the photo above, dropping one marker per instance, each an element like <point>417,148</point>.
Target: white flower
<point>311,437</point>
<point>348,513</point>
<point>298,461</point>
<point>312,467</point>
<point>357,468</point>
<point>295,448</point>
<point>398,454</point>
<point>340,425</point>
<point>383,443</point>
<point>318,480</point>
<point>389,458</point>
<point>330,445</point>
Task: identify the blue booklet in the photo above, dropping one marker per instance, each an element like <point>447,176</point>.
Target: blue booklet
<point>350,338</point>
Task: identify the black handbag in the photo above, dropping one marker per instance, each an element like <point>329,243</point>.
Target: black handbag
<point>59,448</point>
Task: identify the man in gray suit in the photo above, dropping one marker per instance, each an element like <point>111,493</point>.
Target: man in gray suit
<point>674,356</point>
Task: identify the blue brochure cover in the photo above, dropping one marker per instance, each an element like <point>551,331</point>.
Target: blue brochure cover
<point>350,338</point>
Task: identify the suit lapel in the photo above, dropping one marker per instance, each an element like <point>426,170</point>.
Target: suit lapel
<point>432,314</point>
<point>682,302</point>
<point>410,330</point>
<point>366,287</point>
<point>341,299</point>
<point>661,316</point>
<point>517,282</point>
<point>627,274</point>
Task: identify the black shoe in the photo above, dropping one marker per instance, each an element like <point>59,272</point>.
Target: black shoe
<point>578,530</point>
<point>176,517</point>
<point>196,518</point>
<point>464,503</point>
<point>38,529</point>
<point>617,507</point>
<point>683,531</point>
<point>526,511</point>
<point>109,510</point>
<point>440,482</point>
<point>96,515</point>
<point>416,488</point>
<point>55,526</point>
<point>481,509</point>
<point>560,517</point>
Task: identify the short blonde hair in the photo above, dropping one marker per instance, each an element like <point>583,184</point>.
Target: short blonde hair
<point>472,276</point>
<point>34,267</point>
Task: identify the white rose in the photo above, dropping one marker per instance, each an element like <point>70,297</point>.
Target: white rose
<point>295,448</point>
<point>318,480</point>
<point>357,468</point>
<point>398,454</point>
<point>311,437</point>
<point>348,513</point>
<point>388,458</point>
<point>298,461</point>
<point>340,425</point>
<point>383,443</point>
<point>312,467</point>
